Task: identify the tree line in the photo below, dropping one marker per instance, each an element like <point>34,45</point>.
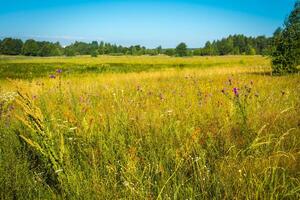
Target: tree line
<point>232,45</point>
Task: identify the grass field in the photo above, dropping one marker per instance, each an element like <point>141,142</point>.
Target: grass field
<point>30,67</point>
<point>148,128</point>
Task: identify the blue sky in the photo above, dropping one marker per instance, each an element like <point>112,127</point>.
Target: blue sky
<point>149,23</point>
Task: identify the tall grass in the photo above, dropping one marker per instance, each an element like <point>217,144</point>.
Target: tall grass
<point>172,134</point>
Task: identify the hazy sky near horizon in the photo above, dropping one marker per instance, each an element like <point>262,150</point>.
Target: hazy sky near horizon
<point>149,23</point>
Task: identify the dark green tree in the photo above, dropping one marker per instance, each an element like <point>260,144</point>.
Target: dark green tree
<point>49,49</point>
<point>30,48</point>
<point>181,49</point>
<point>159,50</point>
<point>68,51</point>
<point>94,53</point>
<point>170,52</point>
<point>10,46</point>
<point>286,54</point>
<point>208,49</point>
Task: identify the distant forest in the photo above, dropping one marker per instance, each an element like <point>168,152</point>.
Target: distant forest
<point>232,45</point>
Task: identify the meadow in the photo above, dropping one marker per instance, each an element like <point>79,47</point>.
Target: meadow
<point>148,127</point>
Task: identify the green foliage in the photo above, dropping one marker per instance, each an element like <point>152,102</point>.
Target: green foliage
<point>10,46</point>
<point>49,49</point>
<point>170,52</point>
<point>232,45</point>
<point>250,50</point>
<point>238,45</point>
<point>31,48</point>
<point>69,51</point>
<point>94,53</point>
<point>286,55</point>
<point>159,50</point>
<point>181,49</point>
<point>209,49</point>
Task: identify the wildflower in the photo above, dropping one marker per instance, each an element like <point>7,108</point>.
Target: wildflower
<point>52,76</point>
<point>59,71</point>
<point>236,91</point>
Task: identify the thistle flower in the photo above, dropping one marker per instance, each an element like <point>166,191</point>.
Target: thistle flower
<point>59,71</point>
<point>236,91</point>
<point>52,76</point>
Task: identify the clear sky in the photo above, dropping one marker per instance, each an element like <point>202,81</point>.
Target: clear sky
<point>149,23</point>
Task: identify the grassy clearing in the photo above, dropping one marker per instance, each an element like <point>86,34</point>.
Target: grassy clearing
<point>176,133</point>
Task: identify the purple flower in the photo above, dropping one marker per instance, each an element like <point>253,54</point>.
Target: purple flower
<point>59,71</point>
<point>52,76</point>
<point>236,91</point>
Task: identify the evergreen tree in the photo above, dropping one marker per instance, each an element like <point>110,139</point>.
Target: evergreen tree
<point>286,55</point>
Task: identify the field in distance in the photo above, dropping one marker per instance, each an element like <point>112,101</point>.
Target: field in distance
<point>31,67</point>
<point>148,128</point>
